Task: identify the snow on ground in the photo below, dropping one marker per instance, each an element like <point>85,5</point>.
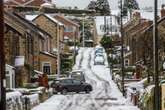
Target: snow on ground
<point>105,94</point>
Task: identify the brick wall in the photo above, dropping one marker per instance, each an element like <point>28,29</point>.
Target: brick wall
<point>50,27</point>
<point>52,60</point>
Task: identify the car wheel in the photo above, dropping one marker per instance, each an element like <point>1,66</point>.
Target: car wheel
<point>87,90</point>
<point>55,92</point>
<point>64,91</point>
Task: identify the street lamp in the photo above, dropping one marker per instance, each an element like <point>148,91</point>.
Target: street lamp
<point>83,29</point>
<point>155,58</point>
<point>2,61</point>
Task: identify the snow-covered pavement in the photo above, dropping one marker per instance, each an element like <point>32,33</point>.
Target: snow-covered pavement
<point>105,94</point>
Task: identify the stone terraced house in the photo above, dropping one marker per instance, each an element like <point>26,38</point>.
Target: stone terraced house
<point>27,48</point>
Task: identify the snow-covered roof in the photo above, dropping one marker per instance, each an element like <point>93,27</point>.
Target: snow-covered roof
<point>147,14</point>
<point>38,72</point>
<point>9,66</point>
<point>49,5</point>
<point>54,20</point>
<point>30,17</point>
<point>66,18</point>
<point>47,53</point>
<point>149,88</point>
<point>25,2</point>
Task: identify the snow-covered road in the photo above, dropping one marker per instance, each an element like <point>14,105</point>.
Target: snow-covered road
<point>105,94</point>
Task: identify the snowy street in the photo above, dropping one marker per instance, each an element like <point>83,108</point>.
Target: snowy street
<point>105,94</point>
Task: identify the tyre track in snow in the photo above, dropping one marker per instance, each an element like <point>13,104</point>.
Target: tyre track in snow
<point>107,99</point>
<point>99,99</point>
<point>82,101</point>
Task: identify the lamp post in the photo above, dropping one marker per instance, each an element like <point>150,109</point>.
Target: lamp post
<point>83,29</point>
<point>155,58</point>
<point>105,24</point>
<point>2,62</point>
<point>122,47</point>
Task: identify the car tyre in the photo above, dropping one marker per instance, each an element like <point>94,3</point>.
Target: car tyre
<point>64,91</point>
<point>55,92</point>
<point>87,89</point>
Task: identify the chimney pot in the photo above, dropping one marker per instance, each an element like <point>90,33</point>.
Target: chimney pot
<point>163,11</point>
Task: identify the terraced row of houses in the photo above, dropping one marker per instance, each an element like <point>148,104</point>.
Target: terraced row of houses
<point>138,36</point>
<point>32,45</point>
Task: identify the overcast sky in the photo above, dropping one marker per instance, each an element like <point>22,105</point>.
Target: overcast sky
<point>113,3</point>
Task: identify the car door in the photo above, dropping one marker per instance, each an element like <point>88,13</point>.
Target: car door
<point>69,84</point>
<point>77,85</point>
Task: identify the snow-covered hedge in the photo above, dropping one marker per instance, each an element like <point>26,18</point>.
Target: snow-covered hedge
<point>17,101</point>
<point>14,101</point>
<point>33,100</point>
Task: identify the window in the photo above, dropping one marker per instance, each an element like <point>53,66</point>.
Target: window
<point>8,79</point>
<point>76,82</point>
<point>41,44</point>
<point>102,28</point>
<point>30,44</point>
<point>47,68</point>
<point>68,81</point>
<point>69,29</point>
<point>126,62</point>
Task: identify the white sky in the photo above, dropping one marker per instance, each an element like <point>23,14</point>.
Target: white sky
<point>113,3</point>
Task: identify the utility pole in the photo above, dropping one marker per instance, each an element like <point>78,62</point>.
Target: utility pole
<point>74,52</point>
<point>58,52</point>
<point>155,58</point>
<point>122,47</point>
<point>2,61</point>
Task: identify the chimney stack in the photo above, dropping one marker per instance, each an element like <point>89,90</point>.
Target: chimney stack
<point>163,11</point>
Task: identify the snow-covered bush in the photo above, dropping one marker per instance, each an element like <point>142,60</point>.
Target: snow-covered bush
<point>33,99</point>
<point>14,101</point>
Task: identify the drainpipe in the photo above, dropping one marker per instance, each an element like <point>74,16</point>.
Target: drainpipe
<point>2,61</point>
<point>58,53</point>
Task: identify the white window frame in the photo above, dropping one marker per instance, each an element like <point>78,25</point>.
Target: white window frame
<point>43,66</point>
<point>11,75</point>
<point>127,62</point>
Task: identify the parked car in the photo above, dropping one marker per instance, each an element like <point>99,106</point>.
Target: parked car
<point>99,60</point>
<point>99,54</point>
<point>98,51</point>
<point>65,85</point>
<point>77,74</point>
